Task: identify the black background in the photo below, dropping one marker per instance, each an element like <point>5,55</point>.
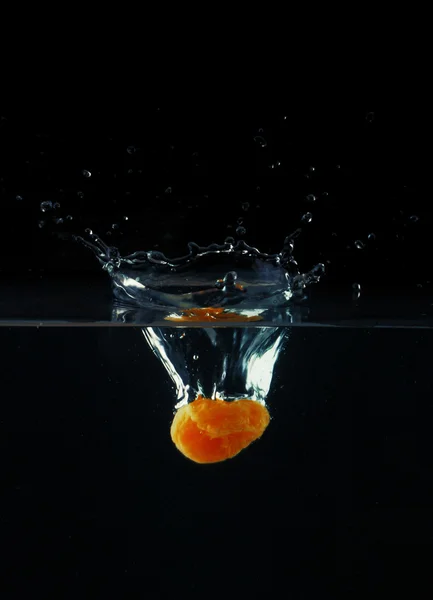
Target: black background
<point>195,162</point>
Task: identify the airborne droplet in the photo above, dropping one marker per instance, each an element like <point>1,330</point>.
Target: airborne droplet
<point>46,205</point>
<point>260,140</point>
<point>307,218</point>
<point>86,173</point>
<point>359,244</point>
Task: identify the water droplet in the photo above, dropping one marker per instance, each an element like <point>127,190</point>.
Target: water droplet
<point>56,205</point>
<point>41,224</point>
<point>69,217</point>
<point>338,166</point>
<point>356,287</point>
<point>115,226</point>
<point>229,240</point>
<point>359,245</point>
<point>86,173</point>
<point>88,231</point>
<point>307,218</point>
<point>245,205</point>
<point>325,194</point>
<point>131,149</point>
<point>260,140</point>
<point>46,205</point>
<point>80,194</point>
<point>19,198</point>
<point>195,357</point>
<point>371,237</point>
<point>241,231</point>
<point>125,218</point>
<point>278,163</point>
<point>414,218</point>
<point>130,171</point>
<point>240,221</point>
<point>310,198</point>
<point>58,221</point>
<point>312,169</point>
<point>369,117</point>
<point>258,188</point>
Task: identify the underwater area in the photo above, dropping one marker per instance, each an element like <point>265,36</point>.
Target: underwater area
<point>215,353</point>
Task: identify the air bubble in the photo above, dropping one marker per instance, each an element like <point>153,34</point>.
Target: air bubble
<point>229,240</point>
<point>88,231</point>
<point>241,230</point>
<point>371,237</point>
<point>369,117</point>
<point>414,218</point>
<point>80,194</point>
<point>131,149</point>
<point>46,205</point>
<point>310,198</point>
<point>69,217</point>
<point>56,205</point>
<point>240,221</point>
<point>115,226</point>
<point>359,244</point>
<point>312,169</point>
<point>307,218</point>
<point>245,205</point>
<point>86,173</point>
<point>58,221</point>
<point>260,140</point>
<point>168,190</point>
<point>195,357</point>
<point>41,224</point>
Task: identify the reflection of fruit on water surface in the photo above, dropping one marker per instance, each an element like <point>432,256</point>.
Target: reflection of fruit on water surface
<point>209,431</point>
<point>211,314</point>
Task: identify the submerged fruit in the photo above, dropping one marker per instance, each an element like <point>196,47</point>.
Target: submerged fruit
<point>209,431</point>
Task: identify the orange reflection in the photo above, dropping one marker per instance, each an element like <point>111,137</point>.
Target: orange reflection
<point>211,314</point>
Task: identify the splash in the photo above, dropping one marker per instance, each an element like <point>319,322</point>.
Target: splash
<point>211,283</point>
<point>222,377</point>
<point>213,304</point>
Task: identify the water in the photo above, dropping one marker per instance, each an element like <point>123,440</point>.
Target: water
<point>92,480</point>
<point>328,473</point>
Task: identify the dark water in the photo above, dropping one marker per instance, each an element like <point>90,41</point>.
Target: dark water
<point>92,485</point>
